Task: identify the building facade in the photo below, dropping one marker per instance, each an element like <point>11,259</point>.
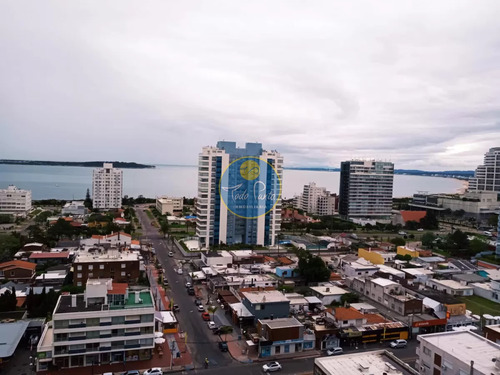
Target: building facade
<point>120,266</point>
<point>366,189</point>
<point>169,205</point>
<point>107,187</point>
<point>235,205</point>
<point>487,176</point>
<point>106,324</point>
<point>74,208</point>
<point>15,201</point>
<point>317,200</point>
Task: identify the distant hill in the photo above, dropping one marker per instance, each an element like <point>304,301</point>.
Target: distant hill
<point>92,164</point>
<point>413,172</point>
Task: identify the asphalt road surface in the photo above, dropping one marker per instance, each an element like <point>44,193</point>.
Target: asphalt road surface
<point>200,340</point>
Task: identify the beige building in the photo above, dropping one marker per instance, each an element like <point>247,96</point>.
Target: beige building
<point>15,201</point>
<point>168,205</point>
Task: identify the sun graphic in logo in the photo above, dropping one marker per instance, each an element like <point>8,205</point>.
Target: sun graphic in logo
<point>249,170</point>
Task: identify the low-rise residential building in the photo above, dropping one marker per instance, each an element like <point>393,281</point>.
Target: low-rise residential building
<point>348,316</point>
<point>270,304</point>
<point>328,293</point>
<point>451,287</point>
<point>462,265</point>
<point>74,208</point>
<point>418,275</point>
<point>113,239</point>
<point>286,271</point>
<point>57,257</point>
<point>17,270</point>
<point>373,362</point>
<point>492,333</point>
<point>490,290</point>
<point>429,262</point>
<point>169,205</point>
<point>414,253</point>
<point>376,256</point>
<point>107,323</point>
<point>121,266</point>
<point>460,352</point>
<point>283,336</point>
<point>15,201</point>
<point>359,268</point>
<point>216,258</point>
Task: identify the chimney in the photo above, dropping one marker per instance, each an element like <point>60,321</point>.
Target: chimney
<point>73,300</point>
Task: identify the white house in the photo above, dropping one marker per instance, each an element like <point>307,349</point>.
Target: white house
<point>450,287</point>
<point>328,293</point>
<point>489,290</point>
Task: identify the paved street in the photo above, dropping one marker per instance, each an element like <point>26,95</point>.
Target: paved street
<point>201,342</point>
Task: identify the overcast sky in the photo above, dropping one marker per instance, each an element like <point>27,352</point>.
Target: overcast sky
<point>413,82</point>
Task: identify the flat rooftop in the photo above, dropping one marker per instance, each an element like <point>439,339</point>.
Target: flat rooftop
<point>328,290</point>
<point>465,347</point>
<point>451,284</point>
<point>376,362</point>
<point>268,296</point>
<point>10,335</point>
<point>281,323</point>
<point>111,255</point>
<point>383,282</point>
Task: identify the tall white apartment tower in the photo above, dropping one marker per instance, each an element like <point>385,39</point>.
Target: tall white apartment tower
<point>15,201</point>
<point>107,187</point>
<point>239,195</point>
<point>366,189</point>
<point>487,176</point>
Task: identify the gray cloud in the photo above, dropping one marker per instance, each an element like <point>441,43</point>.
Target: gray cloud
<point>321,82</point>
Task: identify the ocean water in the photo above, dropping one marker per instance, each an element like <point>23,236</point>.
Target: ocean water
<point>54,182</point>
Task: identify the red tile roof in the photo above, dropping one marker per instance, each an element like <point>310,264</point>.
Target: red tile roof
<point>347,313</point>
<point>413,215</point>
<point>284,260</point>
<point>118,288</point>
<point>375,319</point>
<point>62,254</point>
<point>17,264</point>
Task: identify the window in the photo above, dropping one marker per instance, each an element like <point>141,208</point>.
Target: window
<point>146,318</point>
<point>79,283</point>
<point>118,320</point>
<point>79,275</point>
<point>345,322</point>
<point>123,273</point>
<point>101,266</point>
<point>426,350</point>
<point>79,267</point>
<point>437,359</point>
<point>91,274</point>
<point>124,265</point>
<point>91,267</point>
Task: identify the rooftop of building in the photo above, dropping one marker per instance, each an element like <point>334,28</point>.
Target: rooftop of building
<point>348,313</point>
<point>413,215</point>
<point>431,259</point>
<point>466,346</point>
<point>102,255</point>
<point>470,278</point>
<point>10,335</point>
<point>268,296</point>
<point>383,282</point>
<point>50,255</point>
<point>328,290</point>
<point>417,271</point>
<point>452,284</point>
<point>462,264</point>
<point>375,362</point>
<point>435,295</point>
<point>494,327</point>
<point>12,264</point>
<point>76,303</point>
<point>281,323</point>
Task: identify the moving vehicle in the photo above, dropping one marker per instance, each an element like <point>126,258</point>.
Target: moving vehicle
<point>153,371</point>
<point>205,316</point>
<point>398,344</point>
<point>334,351</point>
<point>176,308</point>
<point>201,308</point>
<point>223,346</point>
<point>188,285</point>
<point>190,291</point>
<point>211,324</point>
<point>271,367</point>
<point>197,301</point>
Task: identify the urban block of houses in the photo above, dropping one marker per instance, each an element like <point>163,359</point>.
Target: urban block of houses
<point>450,287</point>
<point>121,266</point>
<point>328,294</point>
<point>107,323</point>
<point>17,270</point>
<point>283,336</point>
<point>376,256</point>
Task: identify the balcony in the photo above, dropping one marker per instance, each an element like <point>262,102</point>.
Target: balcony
<point>77,325</point>
<point>105,323</point>
<point>132,346</point>
<point>132,333</point>
<point>76,338</point>
<point>137,321</point>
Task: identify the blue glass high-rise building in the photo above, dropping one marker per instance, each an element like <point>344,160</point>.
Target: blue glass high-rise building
<point>239,195</point>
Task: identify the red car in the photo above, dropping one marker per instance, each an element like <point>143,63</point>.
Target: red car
<point>205,316</point>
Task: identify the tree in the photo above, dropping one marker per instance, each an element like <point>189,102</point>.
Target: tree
<point>312,268</point>
<point>9,245</point>
<point>477,245</point>
<point>6,219</point>
<point>493,220</point>
<point>398,241</point>
<point>212,310</point>
<point>164,227</point>
<point>429,221</point>
<point>349,298</point>
<point>88,202</point>
<point>428,239</point>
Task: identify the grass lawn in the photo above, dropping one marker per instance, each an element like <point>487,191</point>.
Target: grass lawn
<point>479,305</point>
<point>150,214</point>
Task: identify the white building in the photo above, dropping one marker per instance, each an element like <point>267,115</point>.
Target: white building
<point>168,205</point>
<point>328,293</point>
<point>317,200</point>
<point>15,201</point>
<point>74,208</point>
<point>457,352</point>
<point>217,258</point>
<point>108,323</point>
<point>487,176</point>
<point>450,287</point>
<point>216,221</point>
<point>489,290</point>
<point>107,187</point>
<point>360,268</point>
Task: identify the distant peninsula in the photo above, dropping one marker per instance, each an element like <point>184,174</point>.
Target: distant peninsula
<point>463,175</point>
<point>92,164</point>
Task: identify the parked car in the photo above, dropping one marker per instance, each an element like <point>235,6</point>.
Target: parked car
<point>153,371</point>
<point>211,324</point>
<point>398,344</point>
<point>188,285</point>
<point>205,316</point>
<point>420,229</point>
<point>271,367</point>
<point>176,308</point>
<point>334,351</point>
<point>179,271</point>
<point>197,301</point>
<point>191,291</point>
<point>223,346</point>
<point>131,372</point>
<point>170,254</point>
<point>201,308</point>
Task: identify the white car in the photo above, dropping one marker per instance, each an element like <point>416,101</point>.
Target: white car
<point>211,325</point>
<point>334,351</point>
<point>153,371</point>
<point>271,367</point>
<point>201,308</point>
<point>179,271</point>
<point>188,285</point>
<point>170,254</point>
<point>398,344</point>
